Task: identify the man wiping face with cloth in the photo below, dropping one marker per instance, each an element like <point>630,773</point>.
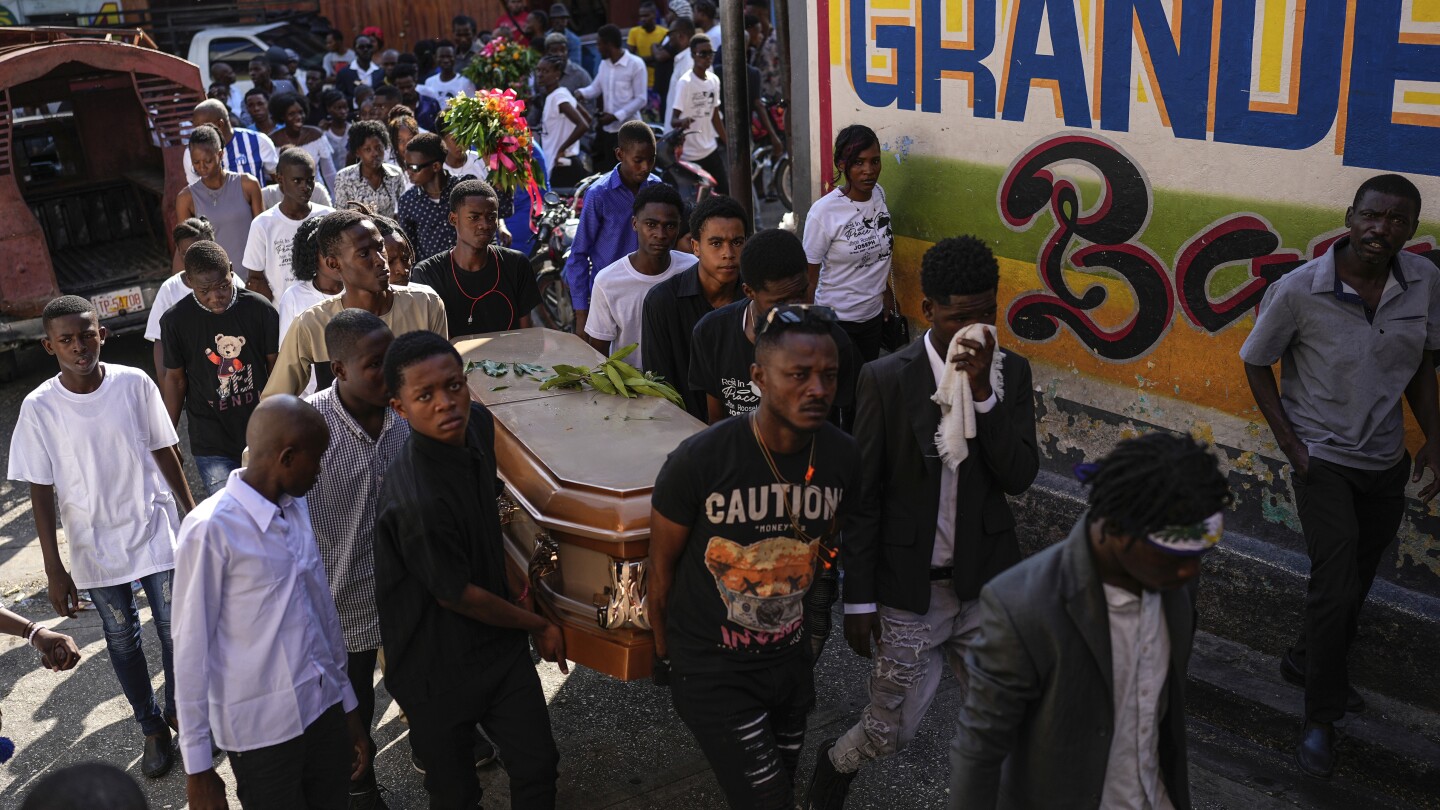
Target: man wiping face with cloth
<point>945,435</point>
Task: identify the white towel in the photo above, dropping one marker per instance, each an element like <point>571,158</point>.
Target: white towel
<point>952,394</point>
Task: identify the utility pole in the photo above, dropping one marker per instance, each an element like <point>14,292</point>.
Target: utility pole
<point>736,102</point>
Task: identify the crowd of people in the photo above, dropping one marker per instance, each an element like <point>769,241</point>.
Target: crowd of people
<point>346,519</point>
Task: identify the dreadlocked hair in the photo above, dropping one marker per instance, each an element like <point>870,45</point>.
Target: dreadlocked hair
<point>1156,480</point>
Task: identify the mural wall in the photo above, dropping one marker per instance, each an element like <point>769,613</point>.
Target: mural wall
<point>1143,169</point>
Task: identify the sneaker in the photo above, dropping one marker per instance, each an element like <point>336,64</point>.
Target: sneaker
<point>416,763</point>
<point>369,798</point>
<point>828,787</point>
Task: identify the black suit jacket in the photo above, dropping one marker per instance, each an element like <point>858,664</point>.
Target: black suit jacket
<point>886,554</point>
<point>347,79</point>
<point>1039,718</point>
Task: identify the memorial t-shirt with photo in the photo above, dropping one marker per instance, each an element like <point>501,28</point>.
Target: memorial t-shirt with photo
<point>738,596</point>
<point>721,355</point>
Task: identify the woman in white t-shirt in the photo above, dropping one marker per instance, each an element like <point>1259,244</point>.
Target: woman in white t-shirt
<point>562,124</point>
<point>849,242</point>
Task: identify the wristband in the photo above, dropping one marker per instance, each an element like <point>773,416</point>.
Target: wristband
<point>30,633</point>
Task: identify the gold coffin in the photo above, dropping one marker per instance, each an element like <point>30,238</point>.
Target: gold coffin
<point>578,467</point>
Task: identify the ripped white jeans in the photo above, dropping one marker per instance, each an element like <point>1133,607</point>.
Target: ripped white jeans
<point>909,661</point>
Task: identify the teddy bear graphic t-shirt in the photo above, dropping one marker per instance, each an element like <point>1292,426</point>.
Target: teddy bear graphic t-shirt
<point>223,356</point>
<point>738,596</point>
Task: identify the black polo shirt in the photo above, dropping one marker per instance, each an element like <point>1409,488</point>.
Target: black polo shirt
<point>672,309</point>
<point>437,530</point>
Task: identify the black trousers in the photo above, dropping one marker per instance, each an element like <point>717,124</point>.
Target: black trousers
<point>750,725</point>
<point>866,335</point>
<point>1349,518</point>
<point>310,772</point>
<point>360,667</point>
<point>714,163</point>
<point>602,152</point>
<point>506,699</point>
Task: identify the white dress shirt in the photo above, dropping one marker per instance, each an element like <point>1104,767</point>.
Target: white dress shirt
<point>1140,662</point>
<point>622,83</point>
<point>944,553</point>
<point>259,654</point>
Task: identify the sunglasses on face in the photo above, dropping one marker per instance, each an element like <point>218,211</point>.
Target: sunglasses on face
<point>704,54</point>
<point>419,167</point>
<point>787,315</point>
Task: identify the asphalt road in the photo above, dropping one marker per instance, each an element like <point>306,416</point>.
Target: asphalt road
<point>621,744</point>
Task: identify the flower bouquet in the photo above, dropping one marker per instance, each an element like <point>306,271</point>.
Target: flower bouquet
<point>493,123</point>
<point>502,63</point>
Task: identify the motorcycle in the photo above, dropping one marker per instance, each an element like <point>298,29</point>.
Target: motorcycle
<point>555,229</point>
<point>693,182</point>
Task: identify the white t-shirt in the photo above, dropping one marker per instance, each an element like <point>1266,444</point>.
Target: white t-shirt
<point>714,35</point>
<point>172,292</point>
<point>697,99</point>
<point>617,302</point>
<point>267,250</point>
<point>684,63</point>
<point>119,515</point>
<point>473,166</point>
<point>444,91</point>
<point>301,296</point>
<point>556,127</point>
<point>852,242</point>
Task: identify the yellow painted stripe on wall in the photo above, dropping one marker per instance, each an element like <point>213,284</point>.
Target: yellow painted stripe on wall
<point>955,15</point>
<point>1272,46</point>
<point>837,41</point>
<point>889,5</point>
<point>1421,97</point>
<point>1425,11</point>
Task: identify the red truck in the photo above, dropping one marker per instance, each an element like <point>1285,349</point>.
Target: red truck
<point>91,140</point>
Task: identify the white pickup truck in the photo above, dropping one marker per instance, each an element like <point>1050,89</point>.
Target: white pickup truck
<point>237,45</point>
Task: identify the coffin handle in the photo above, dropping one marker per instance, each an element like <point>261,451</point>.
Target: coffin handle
<point>623,603</point>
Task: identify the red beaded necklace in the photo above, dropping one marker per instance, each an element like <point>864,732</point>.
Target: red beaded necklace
<point>494,288</point>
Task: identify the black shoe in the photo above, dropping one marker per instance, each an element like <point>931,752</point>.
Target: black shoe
<point>1291,672</point>
<point>416,763</point>
<point>159,756</point>
<point>1316,752</point>
<point>484,751</point>
<point>368,798</point>
<point>828,787</point>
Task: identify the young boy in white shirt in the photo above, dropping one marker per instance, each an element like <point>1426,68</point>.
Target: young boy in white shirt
<point>96,437</point>
<point>697,111</point>
<point>617,301</point>
<point>272,233</point>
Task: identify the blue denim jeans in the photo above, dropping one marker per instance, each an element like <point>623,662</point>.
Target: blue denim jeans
<point>214,470</point>
<point>121,618</point>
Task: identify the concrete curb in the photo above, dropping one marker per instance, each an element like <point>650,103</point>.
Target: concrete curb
<point>1391,748</point>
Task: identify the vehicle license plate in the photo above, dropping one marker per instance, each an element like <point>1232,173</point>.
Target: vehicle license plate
<point>119,302</point>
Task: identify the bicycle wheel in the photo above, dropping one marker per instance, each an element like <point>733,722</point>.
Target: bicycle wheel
<point>784,183</point>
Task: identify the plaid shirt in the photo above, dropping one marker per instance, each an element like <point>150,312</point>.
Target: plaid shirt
<point>342,510</point>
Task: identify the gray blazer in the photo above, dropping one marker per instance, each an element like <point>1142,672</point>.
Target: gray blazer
<point>1036,726</point>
